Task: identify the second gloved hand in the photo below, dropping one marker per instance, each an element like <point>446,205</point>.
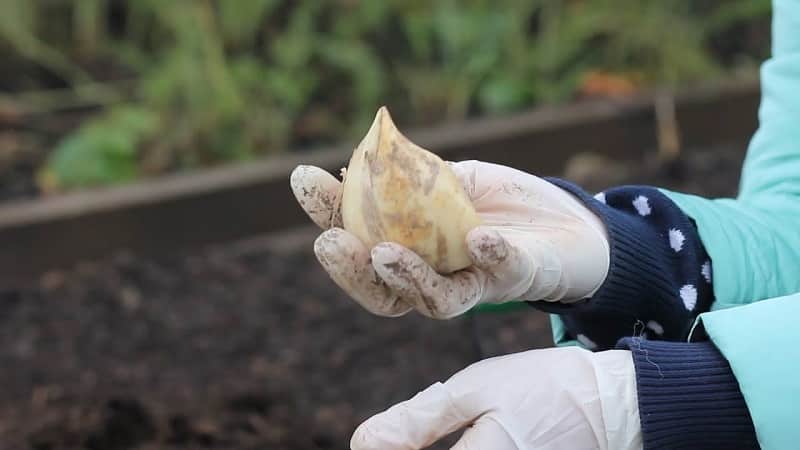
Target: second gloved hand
<point>552,399</point>
<point>536,242</point>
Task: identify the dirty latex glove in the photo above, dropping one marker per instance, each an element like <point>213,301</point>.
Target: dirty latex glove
<point>536,242</point>
<point>554,399</point>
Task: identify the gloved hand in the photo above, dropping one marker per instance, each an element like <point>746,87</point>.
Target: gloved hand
<point>553,399</point>
<point>537,242</point>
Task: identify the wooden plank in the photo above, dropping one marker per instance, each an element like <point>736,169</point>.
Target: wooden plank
<point>217,205</point>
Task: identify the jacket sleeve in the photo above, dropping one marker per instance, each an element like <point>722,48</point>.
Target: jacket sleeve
<point>736,391</point>
<point>740,389</point>
<point>688,397</point>
<point>754,240</point>
<point>659,276</point>
<point>759,343</point>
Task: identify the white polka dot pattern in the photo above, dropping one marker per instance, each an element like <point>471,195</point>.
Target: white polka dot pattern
<point>600,197</point>
<point>689,296</point>
<point>642,205</point>
<point>656,253</point>
<point>705,270</point>
<point>676,239</point>
<point>656,327</point>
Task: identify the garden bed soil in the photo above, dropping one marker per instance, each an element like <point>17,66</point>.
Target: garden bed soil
<point>247,345</point>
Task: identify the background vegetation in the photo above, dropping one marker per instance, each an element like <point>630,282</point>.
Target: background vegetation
<point>162,86</point>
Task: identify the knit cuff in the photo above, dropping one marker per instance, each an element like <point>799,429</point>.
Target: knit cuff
<point>688,397</point>
<point>655,279</point>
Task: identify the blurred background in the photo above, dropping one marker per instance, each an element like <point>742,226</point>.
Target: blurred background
<point>248,344</point>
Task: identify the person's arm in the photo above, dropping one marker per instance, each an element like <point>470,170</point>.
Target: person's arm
<point>752,242</point>
<point>740,384</point>
<point>657,396</point>
<point>737,390</point>
<point>659,277</point>
<point>759,342</point>
<point>689,397</point>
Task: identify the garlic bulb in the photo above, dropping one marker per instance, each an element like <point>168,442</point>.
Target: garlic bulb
<point>397,191</point>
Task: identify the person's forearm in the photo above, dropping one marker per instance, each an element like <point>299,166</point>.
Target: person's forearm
<point>659,278</point>
<point>754,240</point>
<point>664,248</point>
<point>753,243</point>
<point>689,397</point>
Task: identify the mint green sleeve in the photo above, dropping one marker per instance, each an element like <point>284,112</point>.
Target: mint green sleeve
<point>754,240</point>
<point>760,343</point>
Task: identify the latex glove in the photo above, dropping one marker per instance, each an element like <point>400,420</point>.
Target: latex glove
<point>537,242</point>
<point>554,399</point>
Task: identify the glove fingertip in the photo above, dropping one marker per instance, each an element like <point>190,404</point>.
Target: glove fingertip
<point>298,173</point>
<point>302,178</point>
<point>397,261</point>
<point>323,245</point>
<point>361,439</point>
<point>387,253</point>
<point>387,260</point>
<point>487,247</point>
<point>318,193</point>
<point>333,243</point>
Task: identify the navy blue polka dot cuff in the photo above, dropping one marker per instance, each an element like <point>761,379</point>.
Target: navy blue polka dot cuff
<point>659,277</point>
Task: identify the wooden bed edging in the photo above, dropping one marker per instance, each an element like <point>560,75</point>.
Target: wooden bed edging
<point>221,204</point>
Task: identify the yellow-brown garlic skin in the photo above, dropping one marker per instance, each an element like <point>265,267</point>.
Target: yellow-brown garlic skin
<point>396,191</point>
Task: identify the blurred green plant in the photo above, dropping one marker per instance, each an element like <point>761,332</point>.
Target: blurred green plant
<point>223,80</point>
<point>103,151</point>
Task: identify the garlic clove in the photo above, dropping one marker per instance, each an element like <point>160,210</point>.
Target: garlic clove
<point>396,191</point>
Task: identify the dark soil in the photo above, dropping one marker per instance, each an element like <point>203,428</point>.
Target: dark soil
<point>215,349</point>
<point>244,346</point>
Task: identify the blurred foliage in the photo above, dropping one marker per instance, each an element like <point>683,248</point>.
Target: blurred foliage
<point>104,151</point>
<point>225,80</point>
